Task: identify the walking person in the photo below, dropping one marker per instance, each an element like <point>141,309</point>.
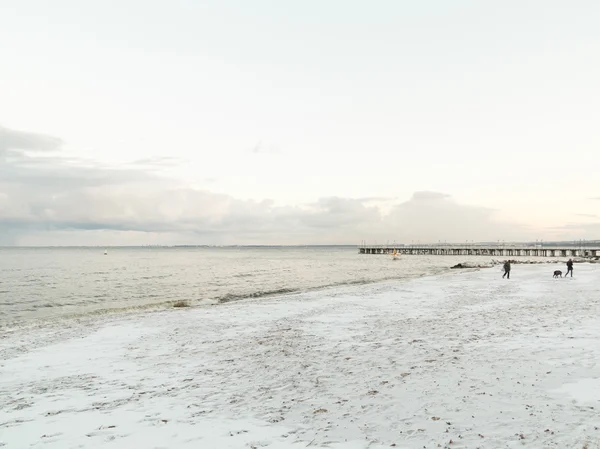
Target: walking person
<point>569,268</point>
<point>506,270</point>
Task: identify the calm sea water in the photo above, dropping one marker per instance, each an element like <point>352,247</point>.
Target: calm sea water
<point>54,282</point>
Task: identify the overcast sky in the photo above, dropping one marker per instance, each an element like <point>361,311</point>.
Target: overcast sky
<point>272,121</point>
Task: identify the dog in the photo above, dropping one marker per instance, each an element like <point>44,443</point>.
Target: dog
<point>557,273</point>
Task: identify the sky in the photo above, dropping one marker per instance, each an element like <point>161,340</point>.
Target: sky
<point>313,122</point>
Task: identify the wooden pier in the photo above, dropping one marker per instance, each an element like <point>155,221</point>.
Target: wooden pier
<point>482,250</point>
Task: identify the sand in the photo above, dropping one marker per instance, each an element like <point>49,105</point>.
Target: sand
<point>463,360</point>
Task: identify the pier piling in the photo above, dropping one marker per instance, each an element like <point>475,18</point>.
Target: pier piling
<point>483,250</point>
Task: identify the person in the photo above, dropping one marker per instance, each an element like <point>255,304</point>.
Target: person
<point>569,267</point>
<point>506,270</point>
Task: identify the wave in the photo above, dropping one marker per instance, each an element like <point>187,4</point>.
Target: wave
<point>246,275</point>
<point>257,294</point>
<point>192,303</point>
<point>284,291</point>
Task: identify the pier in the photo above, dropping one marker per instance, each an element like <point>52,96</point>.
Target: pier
<point>483,250</point>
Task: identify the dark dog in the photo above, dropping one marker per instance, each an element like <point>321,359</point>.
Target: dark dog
<point>557,273</point>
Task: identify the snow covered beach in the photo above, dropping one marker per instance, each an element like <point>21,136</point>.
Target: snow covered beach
<point>461,360</point>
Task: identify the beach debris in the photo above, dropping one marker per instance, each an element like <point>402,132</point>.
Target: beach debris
<point>435,418</point>
<point>320,410</point>
<point>180,304</point>
<point>237,433</point>
<point>470,265</point>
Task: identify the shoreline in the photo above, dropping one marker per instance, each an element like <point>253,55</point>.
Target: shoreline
<point>116,314</point>
<point>127,311</point>
<point>207,302</point>
<point>469,357</point>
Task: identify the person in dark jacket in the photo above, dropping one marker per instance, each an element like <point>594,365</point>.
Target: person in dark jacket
<point>506,270</point>
<point>569,267</point>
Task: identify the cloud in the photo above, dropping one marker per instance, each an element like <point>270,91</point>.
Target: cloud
<point>158,162</point>
<point>25,141</point>
<point>587,215</point>
<point>265,148</point>
<point>376,199</point>
<point>426,195</point>
<point>204,217</point>
<point>432,216</point>
<point>32,164</point>
<point>55,200</point>
<point>589,231</point>
<point>597,198</point>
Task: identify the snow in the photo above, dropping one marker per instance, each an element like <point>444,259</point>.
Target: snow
<point>461,360</point>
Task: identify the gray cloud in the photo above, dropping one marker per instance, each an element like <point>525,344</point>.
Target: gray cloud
<point>46,172</point>
<point>46,199</point>
<point>206,217</point>
<point>431,216</point>
<point>25,141</point>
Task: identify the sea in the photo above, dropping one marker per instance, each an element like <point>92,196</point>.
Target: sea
<point>55,283</point>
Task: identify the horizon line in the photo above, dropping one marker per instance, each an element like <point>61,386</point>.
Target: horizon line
<point>552,242</point>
